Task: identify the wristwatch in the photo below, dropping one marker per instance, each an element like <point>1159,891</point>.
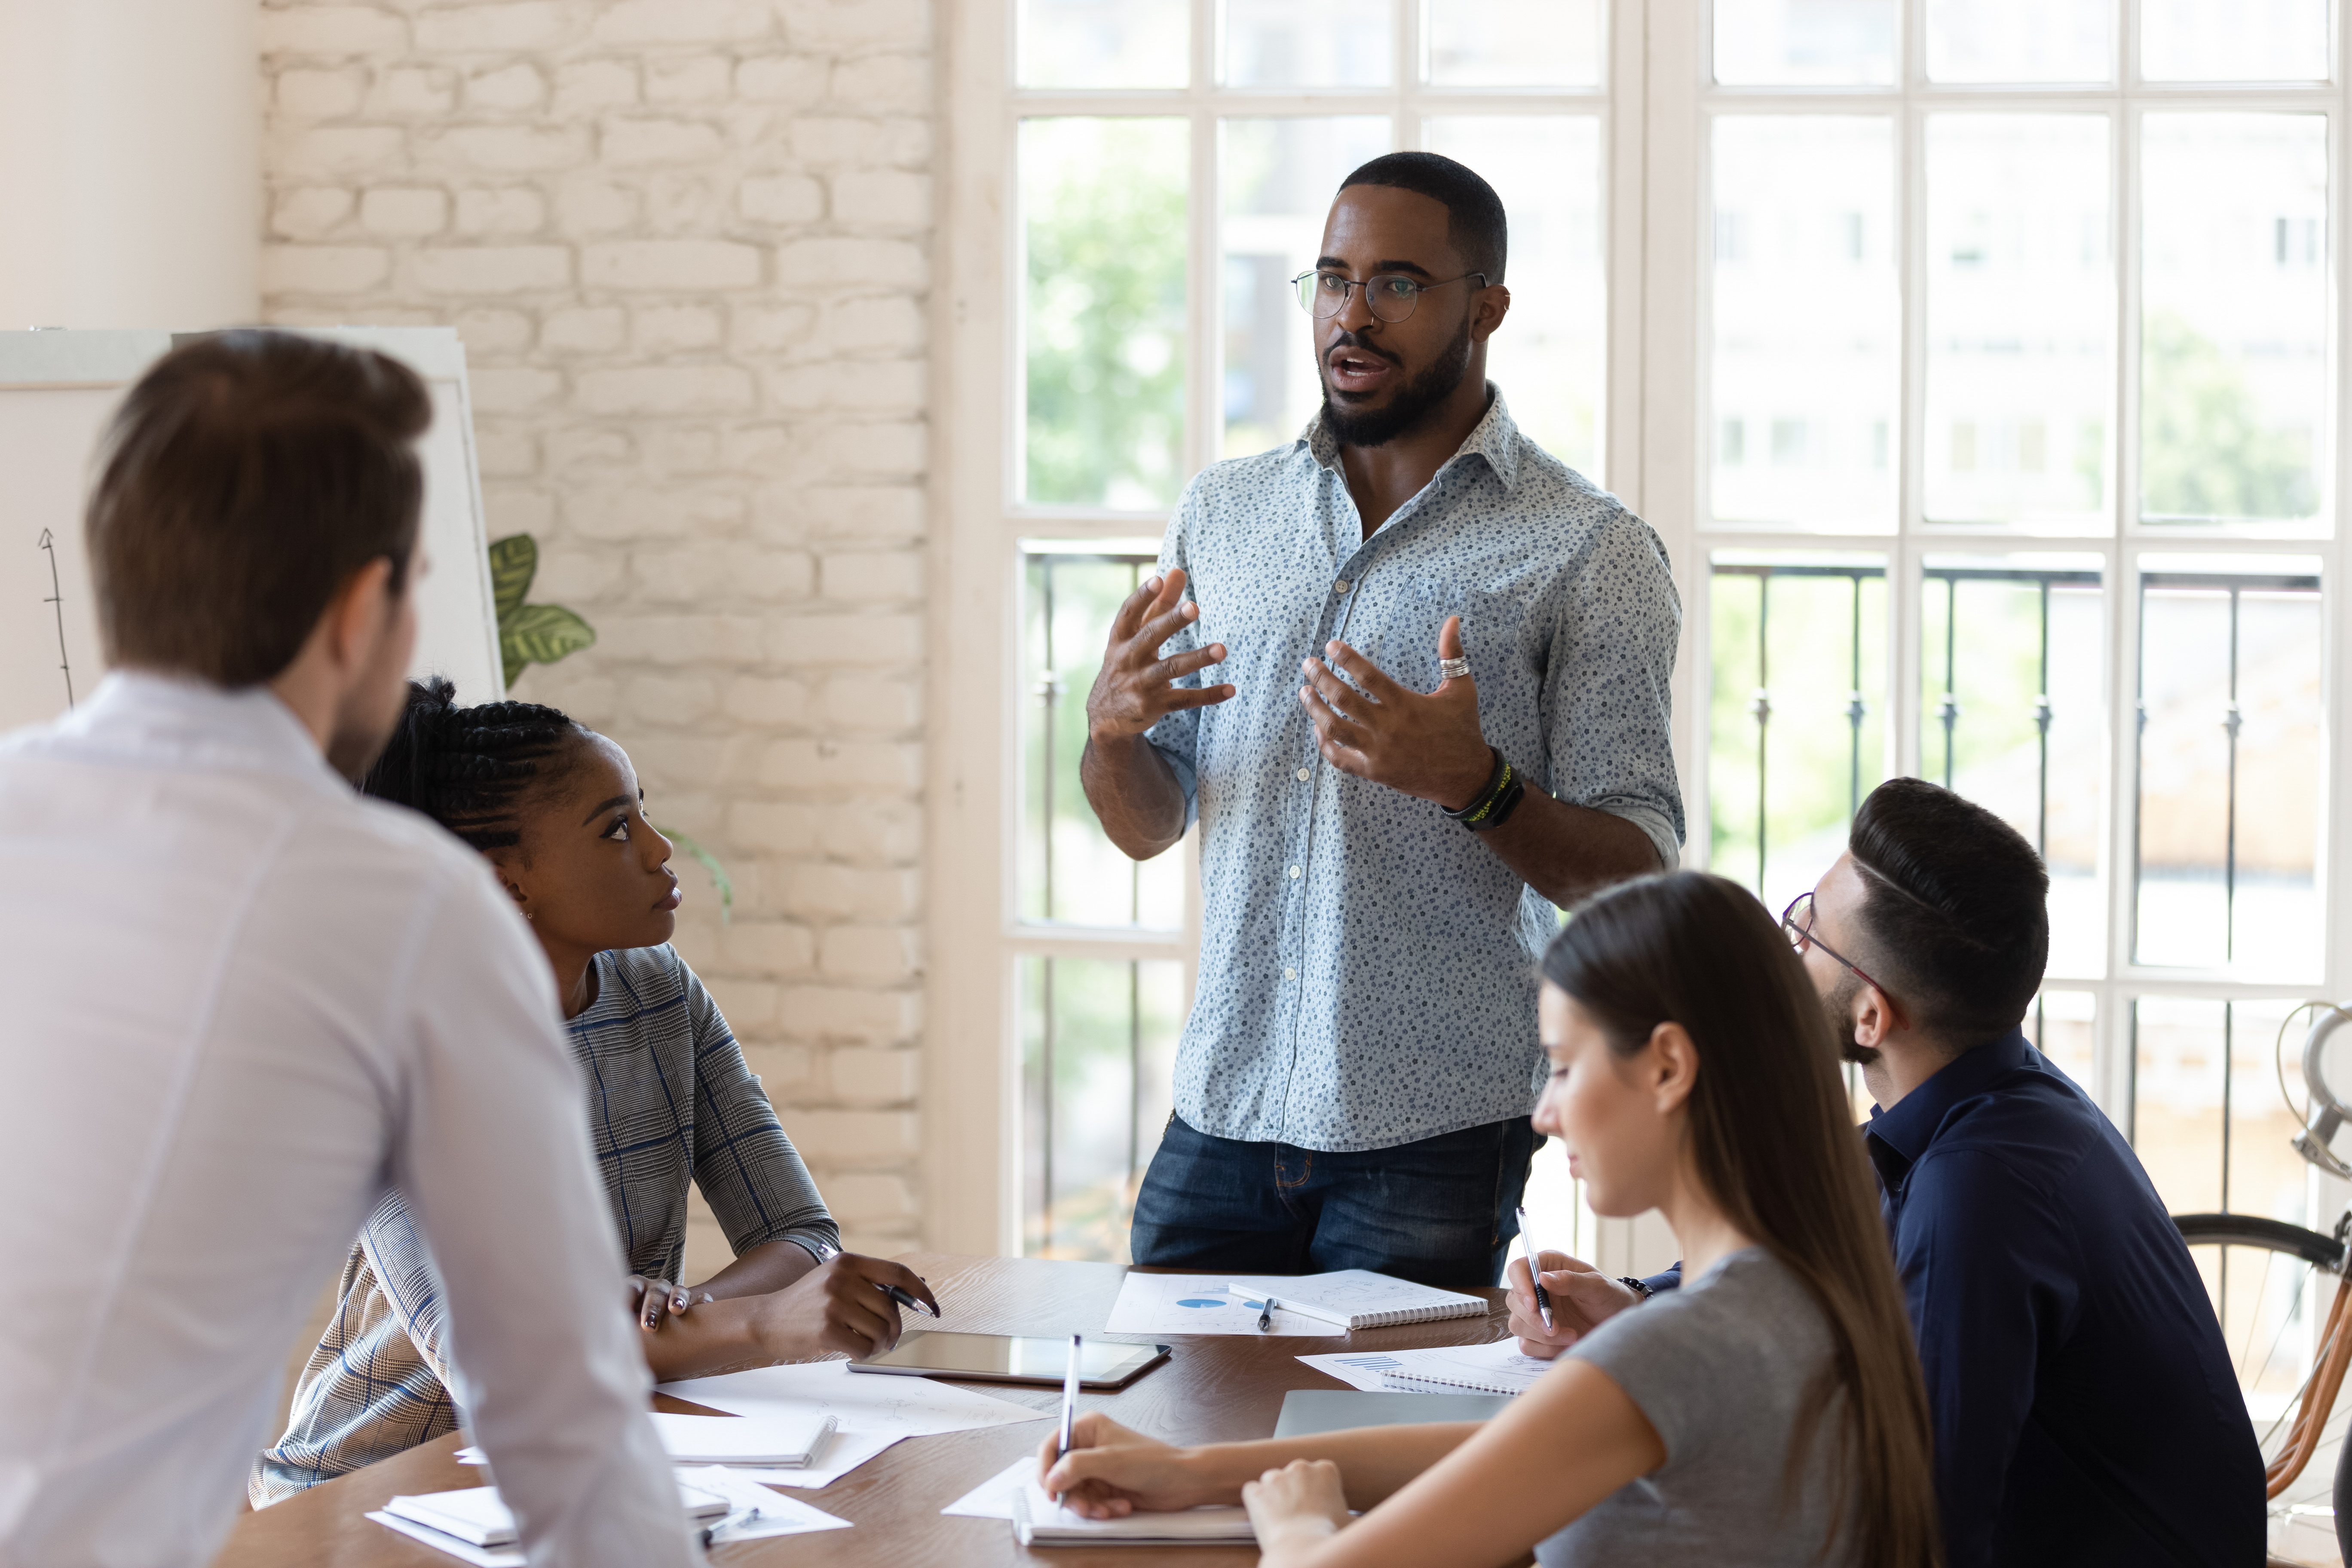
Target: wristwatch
<point>1635,1285</point>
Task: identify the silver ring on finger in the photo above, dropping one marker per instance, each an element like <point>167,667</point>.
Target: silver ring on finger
<point>1454,668</point>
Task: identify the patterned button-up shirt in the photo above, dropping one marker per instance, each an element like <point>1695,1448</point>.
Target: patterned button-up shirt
<point>1368,967</point>
<point>670,1102</point>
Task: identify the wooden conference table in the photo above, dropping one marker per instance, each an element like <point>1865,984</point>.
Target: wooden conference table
<point>1216,1386</point>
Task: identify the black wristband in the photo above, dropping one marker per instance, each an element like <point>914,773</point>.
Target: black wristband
<point>1493,804</point>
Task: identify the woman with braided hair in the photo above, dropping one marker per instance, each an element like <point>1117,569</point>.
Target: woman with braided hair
<point>556,810</point>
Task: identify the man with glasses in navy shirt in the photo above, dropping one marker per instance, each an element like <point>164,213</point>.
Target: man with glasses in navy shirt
<point>2085,1406</point>
<point>1415,614</point>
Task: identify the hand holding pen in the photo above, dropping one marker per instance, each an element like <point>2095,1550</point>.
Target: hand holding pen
<point>897,1292</point>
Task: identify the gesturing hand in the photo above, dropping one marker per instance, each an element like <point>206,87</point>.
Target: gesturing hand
<point>1135,687</point>
<point>1429,746</point>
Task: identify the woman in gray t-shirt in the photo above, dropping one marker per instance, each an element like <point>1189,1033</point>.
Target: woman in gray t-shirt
<point>1770,1413</point>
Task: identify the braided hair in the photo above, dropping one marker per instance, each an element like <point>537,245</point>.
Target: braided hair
<point>469,769</point>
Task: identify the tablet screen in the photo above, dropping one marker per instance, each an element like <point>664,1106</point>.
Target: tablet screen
<point>1001,1355</point>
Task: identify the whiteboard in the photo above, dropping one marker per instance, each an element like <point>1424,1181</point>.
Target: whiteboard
<point>58,389</point>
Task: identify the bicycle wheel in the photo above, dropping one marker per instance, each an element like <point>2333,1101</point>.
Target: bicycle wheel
<point>2274,1288</point>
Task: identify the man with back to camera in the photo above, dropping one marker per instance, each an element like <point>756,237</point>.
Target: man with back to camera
<point>244,1001</point>
<point>1353,1085</point>
<point>2085,1407</point>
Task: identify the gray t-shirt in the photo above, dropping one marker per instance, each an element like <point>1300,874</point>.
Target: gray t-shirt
<point>1720,1368</point>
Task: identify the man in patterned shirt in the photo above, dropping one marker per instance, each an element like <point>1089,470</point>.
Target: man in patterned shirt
<point>1353,1085</point>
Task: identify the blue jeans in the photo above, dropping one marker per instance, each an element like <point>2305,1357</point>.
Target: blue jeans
<point>1441,1210</point>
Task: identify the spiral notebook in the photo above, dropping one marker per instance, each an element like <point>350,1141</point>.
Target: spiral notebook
<point>1360,1298</point>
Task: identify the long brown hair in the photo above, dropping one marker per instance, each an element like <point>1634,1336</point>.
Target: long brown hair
<point>1772,1137</point>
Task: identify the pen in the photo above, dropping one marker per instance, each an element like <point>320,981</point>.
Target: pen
<point>899,1294</point>
<point>1265,1315</point>
<point>1070,1400</point>
<point>750,1515</point>
<point>1535,1272</point>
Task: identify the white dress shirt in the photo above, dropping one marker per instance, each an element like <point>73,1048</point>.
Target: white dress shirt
<point>244,1001</point>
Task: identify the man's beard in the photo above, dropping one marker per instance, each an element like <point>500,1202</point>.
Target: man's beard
<point>1840,1004</point>
<point>1409,409</point>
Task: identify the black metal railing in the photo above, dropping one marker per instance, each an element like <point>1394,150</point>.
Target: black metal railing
<point>1052,692</point>
<point>2232,720</point>
<point>1948,709</point>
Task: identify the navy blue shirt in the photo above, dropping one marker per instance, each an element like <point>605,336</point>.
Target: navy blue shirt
<point>2084,1404</point>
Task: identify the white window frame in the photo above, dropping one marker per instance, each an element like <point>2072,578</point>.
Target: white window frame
<point>1680,62</point>
<point>972,1075</point>
<point>1655,203</point>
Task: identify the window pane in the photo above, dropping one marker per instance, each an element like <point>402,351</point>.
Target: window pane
<point>1098,1055</point>
<point>1798,717</point>
<point>1804,365</point>
<point>2021,303</point>
<point>1104,43</point>
<point>2022,40</point>
<point>1310,43</point>
<point>1279,178</point>
<point>2233,41</point>
<point>2229,767</point>
<point>1513,43</point>
<point>1821,43</point>
<point>1550,356</point>
<point>2010,715</point>
<point>1068,870</point>
<point>1103,205</point>
<point>2233,333</point>
<point>2062,1024</point>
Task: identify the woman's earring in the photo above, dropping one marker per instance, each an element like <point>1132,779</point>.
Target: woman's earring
<point>528,916</point>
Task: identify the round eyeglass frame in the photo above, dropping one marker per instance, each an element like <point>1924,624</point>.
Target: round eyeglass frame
<point>1312,298</point>
<point>1802,937</point>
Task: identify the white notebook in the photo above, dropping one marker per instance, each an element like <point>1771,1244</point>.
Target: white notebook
<point>1360,1298</point>
<point>791,1441</point>
<point>478,1517</point>
<point>1494,1368</point>
<point>1039,1521</point>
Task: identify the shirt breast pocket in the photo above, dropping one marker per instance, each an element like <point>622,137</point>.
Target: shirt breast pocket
<point>1404,625</point>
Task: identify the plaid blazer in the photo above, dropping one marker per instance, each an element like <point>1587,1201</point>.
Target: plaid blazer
<point>670,1100</point>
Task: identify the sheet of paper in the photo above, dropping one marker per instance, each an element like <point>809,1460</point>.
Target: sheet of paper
<point>843,1453</point>
<point>873,1411</point>
<point>779,1515</point>
<point>1498,1367</point>
<point>464,1551</point>
<point>992,1499</point>
<point>1199,1304</point>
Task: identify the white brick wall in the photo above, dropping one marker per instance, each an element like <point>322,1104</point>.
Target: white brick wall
<point>687,244</point>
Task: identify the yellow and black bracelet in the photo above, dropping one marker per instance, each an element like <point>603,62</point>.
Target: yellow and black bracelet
<point>1494,805</point>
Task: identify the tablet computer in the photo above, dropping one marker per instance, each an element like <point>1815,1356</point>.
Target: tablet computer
<point>1004,1358</point>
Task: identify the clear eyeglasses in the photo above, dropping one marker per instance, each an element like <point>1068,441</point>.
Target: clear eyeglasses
<point>1391,296</point>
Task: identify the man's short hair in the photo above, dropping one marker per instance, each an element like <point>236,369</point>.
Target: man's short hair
<point>242,481</point>
<point>1474,224</point>
<point>1955,909</point>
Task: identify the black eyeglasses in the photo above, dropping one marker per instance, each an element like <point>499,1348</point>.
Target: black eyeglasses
<point>1800,932</point>
<point>1391,296</point>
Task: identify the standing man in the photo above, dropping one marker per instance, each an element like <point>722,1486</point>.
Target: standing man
<point>1353,1086</point>
<point>243,1002</point>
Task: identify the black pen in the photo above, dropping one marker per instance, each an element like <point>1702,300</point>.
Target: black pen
<point>897,1293</point>
<point>1265,1315</point>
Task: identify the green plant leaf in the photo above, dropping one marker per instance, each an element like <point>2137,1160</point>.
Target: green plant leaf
<point>514,561</point>
<point>541,633</point>
<point>718,877</point>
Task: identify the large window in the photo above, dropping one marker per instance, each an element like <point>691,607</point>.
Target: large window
<point>1977,360</point>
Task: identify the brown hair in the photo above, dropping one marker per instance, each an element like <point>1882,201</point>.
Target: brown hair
<point>244,480</point>
<point>1773,1136</point>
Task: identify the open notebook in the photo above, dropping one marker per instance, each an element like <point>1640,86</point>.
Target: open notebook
<point>478,1517</point>
<point>1360,1298</point>
<point>1039,1521</point>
